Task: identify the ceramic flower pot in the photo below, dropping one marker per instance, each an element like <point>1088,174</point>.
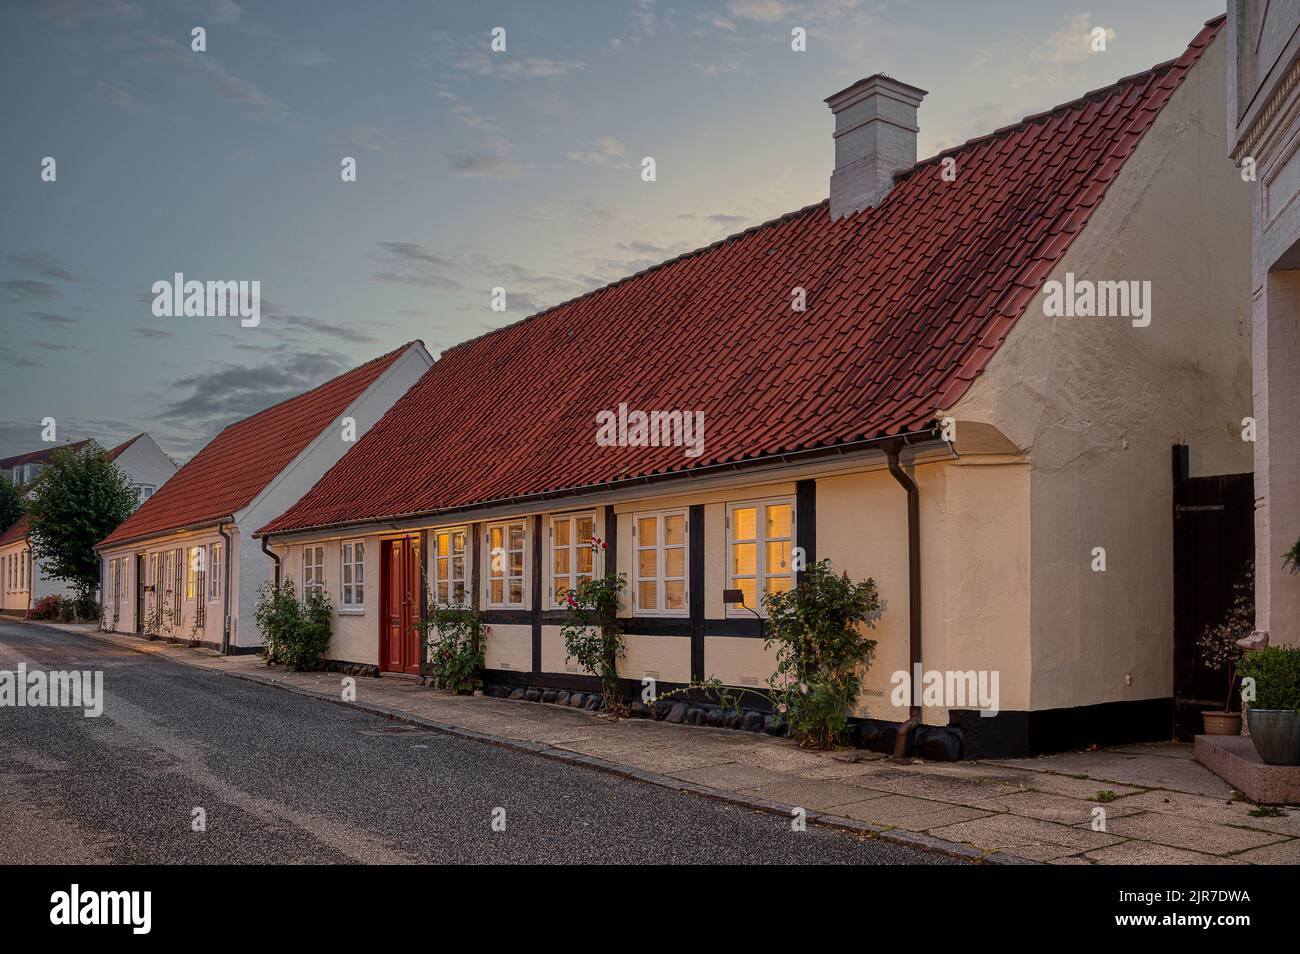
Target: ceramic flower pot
<point>1276,734</point>
<point>1222,723</point>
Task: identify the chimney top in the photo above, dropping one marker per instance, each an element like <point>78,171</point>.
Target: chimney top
<point>875,137</point>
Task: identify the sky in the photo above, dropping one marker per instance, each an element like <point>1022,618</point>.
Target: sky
<point>475,168</point>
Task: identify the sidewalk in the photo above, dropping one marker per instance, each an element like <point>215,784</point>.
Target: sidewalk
<point>1165,807</point>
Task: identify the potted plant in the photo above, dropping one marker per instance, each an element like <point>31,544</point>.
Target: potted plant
<point>1270,680</point>
<point>1220,652</point>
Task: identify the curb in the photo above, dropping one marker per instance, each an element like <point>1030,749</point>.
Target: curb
<point>907,839</point>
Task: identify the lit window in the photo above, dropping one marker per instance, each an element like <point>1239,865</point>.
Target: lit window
<point>571,553</point>
<point>760,535</point>
<point>193,572</point>
<point>506,560</point>
<point>354,574</point>
<point>214,577</point>
<point>659,541</point>
<point>447,568</point>
<point>313,570</point>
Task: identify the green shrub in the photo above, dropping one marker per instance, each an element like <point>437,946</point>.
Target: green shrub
<point>456,638</point>
<point>822,651</point>
<point>297,634</point>
<point>593,636</point>
<point>1276,671</point>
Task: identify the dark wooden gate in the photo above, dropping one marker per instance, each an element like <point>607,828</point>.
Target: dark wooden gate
<point>1214,541</point>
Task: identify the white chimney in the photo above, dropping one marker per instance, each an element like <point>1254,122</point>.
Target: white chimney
<point>875,136</point>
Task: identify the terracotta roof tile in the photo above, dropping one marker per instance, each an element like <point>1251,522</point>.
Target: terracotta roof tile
<point>907,302</point>
<point>16,531</point>
<point>240,461</point>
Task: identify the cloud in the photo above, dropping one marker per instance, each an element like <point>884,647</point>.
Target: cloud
<point>1071,44</point>
<point>603,151</point>
<point>490,156</point>
<point>60,321</point>
<point>507,66</point>
<point>407,263</point>
<point>148,332</point>
<point>342,332</point>
<point>14,359</point>
<point>44,264</point>
<point>761,11</point>
<point>231,392</point>
<point>115,93</point>
<point>225,11</point>
<point>19,290</point>
<point>205,69</point>
<point>72,13</point>
<point>306,57</point>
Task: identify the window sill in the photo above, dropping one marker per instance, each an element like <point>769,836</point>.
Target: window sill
<point>352,611</point>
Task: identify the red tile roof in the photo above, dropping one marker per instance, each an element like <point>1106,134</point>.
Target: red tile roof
<point>39,456</point>
<point>17,531</point>
<point>240,461</point>
<point>906,303</point>
<point>116,452</point>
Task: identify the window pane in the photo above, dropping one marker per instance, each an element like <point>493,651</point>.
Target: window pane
<point>674,529</point>
<point>778,520</point>
<point>742,558</point>
<point>675,562</point>
<point>360,594</point>
<point>646,531</point>
<point>561,530</point>
<point>361,573</point>
<point>586,529</point>
<point>442,543</point>
<point>748,588</point>
<point>347,575</point>
<point>496,592</point>
<point>516,536</point>
<point>778,584</point>
<point>458,568</point>
<point>516,591</point>
<point>458,541</point>
<point>675,594</point>
<point>440,566</point>
<point>584,559</point>
<point>561,564</point>
<point>497,538</point>
<point>778,557</point>
<point>742,524</point>
<point>561,588</point>
<point>516,564</point>
<point>646,596</point>
<point>442,592</point>
<point>646,564</point>
<point>358,552</point>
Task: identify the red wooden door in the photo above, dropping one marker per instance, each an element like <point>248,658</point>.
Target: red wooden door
<point>399,638</point>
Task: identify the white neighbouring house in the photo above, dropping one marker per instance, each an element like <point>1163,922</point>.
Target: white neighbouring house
<point>186,563</point>
<point>140,459</point>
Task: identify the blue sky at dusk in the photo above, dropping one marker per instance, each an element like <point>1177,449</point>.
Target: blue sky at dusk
<point>476,169</point>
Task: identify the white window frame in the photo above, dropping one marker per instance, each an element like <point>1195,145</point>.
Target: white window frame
<point>193,573</point>
<point>215,579</point>
<point>574,546</point>
<point>760,542</point>
<point>505,576</point>
<point>178,585</point>
<point>442,569</point>
<point>349,591</point>
<point>661,563</point>
<point>313,573</point>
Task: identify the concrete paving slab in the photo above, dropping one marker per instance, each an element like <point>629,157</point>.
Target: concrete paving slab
<point>1139,770</point>
<point>900,811</point>
<point>1179,832</point>
<point>731,776</point>
<point>1281,853</point>
<point>984,795</point>
<point>1026,837</point>
<point>810,793</point>
<point>1085,788</point>
<point>1060,809</point>
<point>1146,853</point>
<point>1217,810</point>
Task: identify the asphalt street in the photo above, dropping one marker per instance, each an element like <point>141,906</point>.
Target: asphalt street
<point>281,778</point>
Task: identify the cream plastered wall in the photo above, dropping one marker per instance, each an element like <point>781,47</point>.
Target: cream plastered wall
<point>14,596</point>
<point>213,627</point>
<point>974,571</point>
<point>1096,403</point>
<point>354,636</point>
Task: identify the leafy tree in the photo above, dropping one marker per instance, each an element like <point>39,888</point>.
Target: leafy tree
<point>80,499</point>
<point>11,505</point>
